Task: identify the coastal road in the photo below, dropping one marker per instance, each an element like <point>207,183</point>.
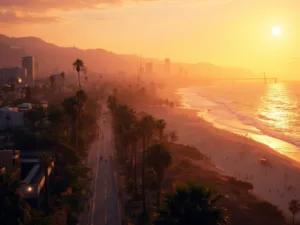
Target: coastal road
<point>103,208</point>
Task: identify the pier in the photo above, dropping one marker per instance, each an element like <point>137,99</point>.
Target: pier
<point>264,78</point>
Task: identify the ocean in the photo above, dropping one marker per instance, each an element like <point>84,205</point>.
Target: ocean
<point>267,113</point>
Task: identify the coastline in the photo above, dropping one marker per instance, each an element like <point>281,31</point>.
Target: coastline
<point>233,154</point>
<point>283,145</point>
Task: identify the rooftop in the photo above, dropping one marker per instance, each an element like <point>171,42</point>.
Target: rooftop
<point>25,105</point>
<point>32,173</point>
<point>34,154</point>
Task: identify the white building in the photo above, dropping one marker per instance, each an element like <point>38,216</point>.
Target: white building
<point>28,63</point>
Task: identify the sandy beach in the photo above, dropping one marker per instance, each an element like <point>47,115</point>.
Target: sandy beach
<point>236,155</point>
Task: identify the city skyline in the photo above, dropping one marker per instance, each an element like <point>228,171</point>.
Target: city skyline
<point>228,33</point>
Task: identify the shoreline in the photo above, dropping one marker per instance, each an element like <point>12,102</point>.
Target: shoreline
<point>174,96</point>
<point>235,155</point>
<point>281,146</point>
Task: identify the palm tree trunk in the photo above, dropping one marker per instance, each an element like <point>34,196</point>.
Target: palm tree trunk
<point>143,176</point>
<point>293,219</point>
<point>79,82</point>
<point>135,169</point>
<point>160,176</point>
<point>161,135</point>
<point>76,135</point>
<point>158,196</point>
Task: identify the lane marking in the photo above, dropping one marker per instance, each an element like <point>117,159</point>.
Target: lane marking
<point>95,185</point>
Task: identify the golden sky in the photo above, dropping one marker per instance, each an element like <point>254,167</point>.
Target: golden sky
<point>224,32</point>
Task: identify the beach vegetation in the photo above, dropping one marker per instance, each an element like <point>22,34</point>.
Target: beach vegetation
<point>294,208</point>
<point>191,205</point>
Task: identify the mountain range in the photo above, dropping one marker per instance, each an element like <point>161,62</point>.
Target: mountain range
<point>52,58</point>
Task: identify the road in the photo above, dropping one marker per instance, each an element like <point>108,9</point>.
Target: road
<point>104,205</point>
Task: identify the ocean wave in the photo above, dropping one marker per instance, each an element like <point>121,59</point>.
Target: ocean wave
<point>263,117</point>
<point>222,111</point>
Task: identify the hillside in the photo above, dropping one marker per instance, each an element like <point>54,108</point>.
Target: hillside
<point>51,58</point>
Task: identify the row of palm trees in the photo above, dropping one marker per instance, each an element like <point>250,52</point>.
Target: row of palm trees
<point>53,80</point>
<point>79,66</point>
<point>145,136</point>
<point>134,136</point>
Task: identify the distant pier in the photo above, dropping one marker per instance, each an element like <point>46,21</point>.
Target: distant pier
<point>264,78</point>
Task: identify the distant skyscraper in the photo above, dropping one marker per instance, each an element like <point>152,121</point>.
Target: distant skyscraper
<point>29,64</point>
<point>141,69</point>
<point>180,71</point>
<point>149,68</point>
<point>167,66</point>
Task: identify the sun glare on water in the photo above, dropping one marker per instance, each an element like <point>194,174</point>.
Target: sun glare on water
<point>276,31</point>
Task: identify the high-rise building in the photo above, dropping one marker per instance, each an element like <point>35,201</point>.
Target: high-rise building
<point>141,70</point>
<point>149,68</point>
<point>12,75</point>
<point>167,66</point>
<point>29,64</point>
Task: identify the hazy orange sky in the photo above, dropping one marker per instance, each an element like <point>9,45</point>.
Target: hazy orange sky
<point>224,32</point>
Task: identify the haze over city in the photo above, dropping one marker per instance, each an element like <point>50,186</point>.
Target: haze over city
<point>149,112</point>
<point>222,32</point>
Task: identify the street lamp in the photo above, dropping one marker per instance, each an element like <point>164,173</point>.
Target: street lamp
<point>29,189</point>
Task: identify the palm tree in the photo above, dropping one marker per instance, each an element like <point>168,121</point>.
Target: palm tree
<point>191,205</point>
<point>81,97</point>
<point>294,208</point>
<point>52,82</point>
<point>81,100</point>
<point>161,125</point>
<point>46,162</point>
<point>146,127</point>
<point>71,108</point>
<point>57,118</point>
<point>79,66</point>
<point>63,75</point>
<point>159,158</point>
<point>173,136</point>
<point>134,138</point>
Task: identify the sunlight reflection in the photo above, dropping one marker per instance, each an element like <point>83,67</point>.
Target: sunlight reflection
<point>275,107</point>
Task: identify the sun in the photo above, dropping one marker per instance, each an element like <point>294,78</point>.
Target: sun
<point>276,31</point>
